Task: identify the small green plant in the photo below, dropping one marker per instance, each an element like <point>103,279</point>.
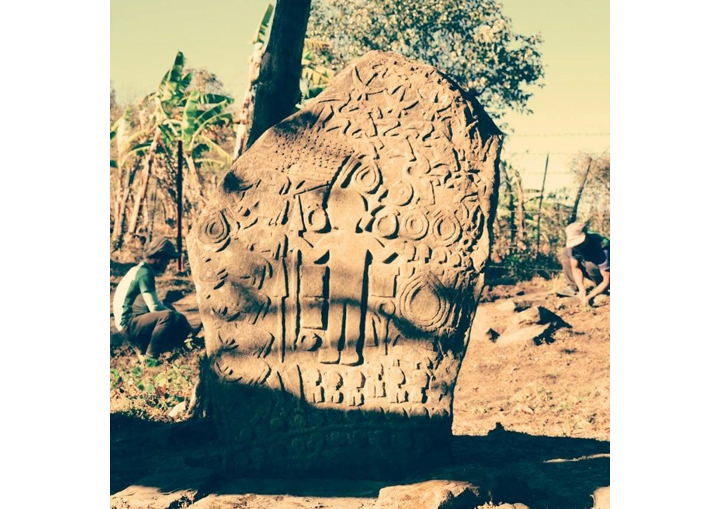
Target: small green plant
<point>152,388</point>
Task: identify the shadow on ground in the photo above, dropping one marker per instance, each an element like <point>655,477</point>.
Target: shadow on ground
<point>513,467</point>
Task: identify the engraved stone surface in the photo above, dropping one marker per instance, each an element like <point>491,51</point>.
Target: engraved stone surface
<point>338,270</point>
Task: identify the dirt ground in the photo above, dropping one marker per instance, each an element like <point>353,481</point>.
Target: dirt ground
<point>531,422</point>
<point>558,389</point>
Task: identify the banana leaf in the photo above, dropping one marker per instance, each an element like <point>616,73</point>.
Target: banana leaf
<point>215,99</point>
<point>264,28</point>
<point>172,79</point>
<point>227,158</point>
<point>190,118</point>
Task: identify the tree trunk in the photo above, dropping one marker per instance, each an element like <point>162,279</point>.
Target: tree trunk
<point>121,205</point>
<point>573,214</point>
<point>278,84</point>
<point>248,104</point>
<point>144,182</point>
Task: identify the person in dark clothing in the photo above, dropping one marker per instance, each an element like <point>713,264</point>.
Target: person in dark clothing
<point>148,323</point>
<point>586,255</point>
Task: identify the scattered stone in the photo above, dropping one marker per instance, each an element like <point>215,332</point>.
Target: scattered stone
<point>510,487</point>
<point>601,300</point>
<point>506,305</point>
<point>436,494</point>
<point>177,409</point>
<point>169,489</point>
<point>524,408</point>
<point>601,498</point>
<point>535,315</point>
<point>269,501</point>
<point>530,335</point>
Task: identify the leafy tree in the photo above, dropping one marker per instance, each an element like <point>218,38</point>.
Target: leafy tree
<point>188,106</point>
<point>471,40</point>
<point>592,201</point>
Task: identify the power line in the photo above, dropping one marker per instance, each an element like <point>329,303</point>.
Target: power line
<point>542,135</point>
<point>541,153</point>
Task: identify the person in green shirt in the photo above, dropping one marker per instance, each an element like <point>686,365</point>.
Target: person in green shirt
<point>586,256</point>
<point>147,322</point>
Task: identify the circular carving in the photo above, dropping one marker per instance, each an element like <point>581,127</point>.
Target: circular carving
<point>309,341</point>
<point>245,434</point>
<point>378,438</point>
<point>386,224</point>
<point>421,303</point>
<point>317,220</point>
<point>298,445</point>
<point>358,438</point>
<point>416,225</point>
<point>402,441</point>
<point>315,443</point>
<point>337,439</point>
<point>215,231</point>
<point>277,450</point>
<point>258,455</point>
<point>367,178</point>
<point>400,193</point>
<point>386,308</point>
<point>446,228</point>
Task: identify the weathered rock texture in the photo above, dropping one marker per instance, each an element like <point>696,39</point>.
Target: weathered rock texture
<point>338,272</point>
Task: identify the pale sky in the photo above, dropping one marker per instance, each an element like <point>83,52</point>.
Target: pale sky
<point>571,113</point>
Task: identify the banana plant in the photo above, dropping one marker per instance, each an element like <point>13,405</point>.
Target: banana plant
<point>202,111</point>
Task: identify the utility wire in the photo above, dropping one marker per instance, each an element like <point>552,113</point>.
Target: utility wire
<point>557,135</point>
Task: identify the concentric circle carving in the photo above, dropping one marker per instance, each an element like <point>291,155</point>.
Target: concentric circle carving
<point>386,224</point>
<point>422,304</point>
<point>446,228</point>
<point>367,178</point>
<point>215,231</point>
<point>400,193</point>
<point>317,220</point>
<point>415,225</point>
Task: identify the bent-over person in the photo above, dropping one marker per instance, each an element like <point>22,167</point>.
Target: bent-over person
<point>586,255</point>
<point>147,322</point>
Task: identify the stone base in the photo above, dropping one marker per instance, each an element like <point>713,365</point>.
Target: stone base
<point>300,440</point>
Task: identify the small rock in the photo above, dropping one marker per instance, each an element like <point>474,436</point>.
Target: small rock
<point>601,498</point>
<point>507,305</point>
<point>530,335</point>
<point>178,409</point>
<point>536,315</point>
<point>435,494</point>
<point>601,300</point>
<point>165,489</point>
<point>509,487</point>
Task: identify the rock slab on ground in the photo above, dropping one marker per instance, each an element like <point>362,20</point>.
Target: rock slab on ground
<point>168,489</point>
<point>435,494</point>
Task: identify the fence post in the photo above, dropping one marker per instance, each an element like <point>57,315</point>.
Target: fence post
<point>542,192</point>
<point>179,205</point>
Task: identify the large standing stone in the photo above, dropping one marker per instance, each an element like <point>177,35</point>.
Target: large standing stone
<point>338,271</point>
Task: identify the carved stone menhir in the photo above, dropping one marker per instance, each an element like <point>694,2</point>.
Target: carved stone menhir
<point>338,270</point>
